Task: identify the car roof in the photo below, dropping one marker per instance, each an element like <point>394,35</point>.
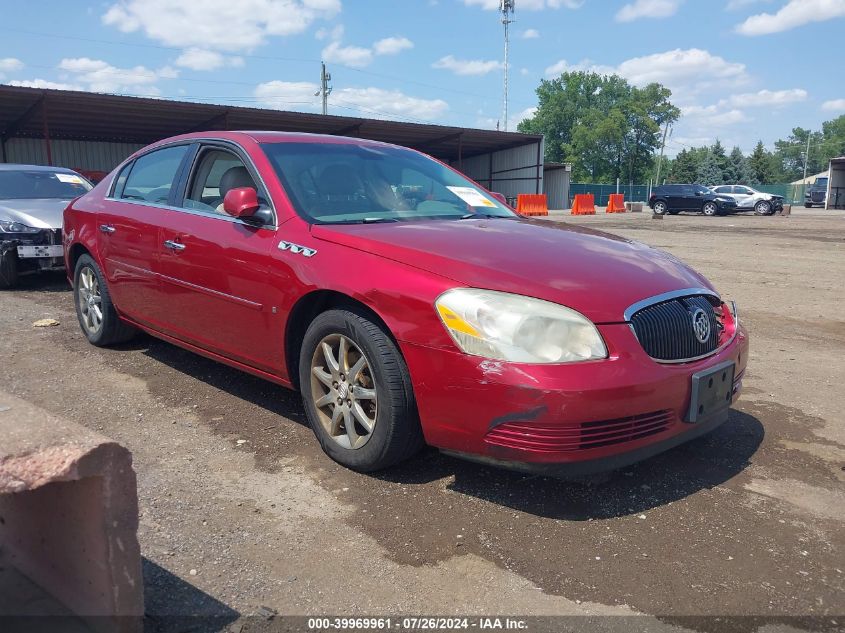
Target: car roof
<point>269,136</point>
<point>17,167</point>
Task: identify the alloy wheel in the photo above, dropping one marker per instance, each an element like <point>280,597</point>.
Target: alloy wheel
<point>709,208</point>
<point>90,300</point>
<point>344,391</point>
<point>660,208</point>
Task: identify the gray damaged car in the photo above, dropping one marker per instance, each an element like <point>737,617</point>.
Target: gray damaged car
<point>749,199</point>
<point>32,200</point>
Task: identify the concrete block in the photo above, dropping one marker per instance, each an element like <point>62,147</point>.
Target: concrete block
<point>69,514</point>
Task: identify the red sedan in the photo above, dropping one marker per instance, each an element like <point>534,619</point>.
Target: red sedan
<point>407,304</point>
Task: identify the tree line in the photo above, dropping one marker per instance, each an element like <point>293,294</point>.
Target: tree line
<point>608,129</point>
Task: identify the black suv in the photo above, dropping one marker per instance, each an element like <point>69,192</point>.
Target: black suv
<point>673,199</point>
<point>816,194</point>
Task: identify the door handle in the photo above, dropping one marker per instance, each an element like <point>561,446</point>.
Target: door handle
<point>174,246</point>
<point>107,228</point>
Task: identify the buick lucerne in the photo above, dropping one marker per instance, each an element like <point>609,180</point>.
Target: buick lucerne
<point>407,304</point>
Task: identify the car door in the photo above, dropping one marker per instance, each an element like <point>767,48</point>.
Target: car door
<point>128,225</point>
<point>743,195</point>
<point>216,269</point>
<point>682,198</point>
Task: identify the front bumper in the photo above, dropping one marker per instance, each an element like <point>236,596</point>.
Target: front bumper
<point>29,258</point>
<point>567,419</point>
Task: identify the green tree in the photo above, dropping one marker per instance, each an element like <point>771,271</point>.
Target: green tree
<point>763,165</point>
<point>710,170</point>
<point>601,124</point>
<point>739,169</point>
<point>684,168</point>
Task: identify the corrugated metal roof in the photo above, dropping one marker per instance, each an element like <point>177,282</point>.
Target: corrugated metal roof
<point>102,117</point>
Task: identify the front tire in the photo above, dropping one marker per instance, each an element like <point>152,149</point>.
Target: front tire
<point>763,208</point>
<point>660,208</point>
<point>710,209</point>
<point>8,270</point>
<point>94,308</point>
<point>357,392</point>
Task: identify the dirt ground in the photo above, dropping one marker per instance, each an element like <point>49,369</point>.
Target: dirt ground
<point>240,509</point>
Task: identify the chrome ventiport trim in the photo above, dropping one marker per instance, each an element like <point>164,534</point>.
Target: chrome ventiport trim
<point>666,296</point>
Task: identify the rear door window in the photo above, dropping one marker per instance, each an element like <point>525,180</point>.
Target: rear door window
<point>152,175</point>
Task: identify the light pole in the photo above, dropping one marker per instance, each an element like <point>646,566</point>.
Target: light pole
<point>506,7</point>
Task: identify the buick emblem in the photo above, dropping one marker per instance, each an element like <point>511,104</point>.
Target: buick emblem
<point>701,325</point>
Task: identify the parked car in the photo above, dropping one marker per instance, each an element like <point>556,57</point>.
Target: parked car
<point>407,304</point>
<point>32,199</point>
<point>816,194</point>
<point>748,198</point>
<point>673,199</point>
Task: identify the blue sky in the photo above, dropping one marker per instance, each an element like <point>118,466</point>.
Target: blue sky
<point>741,70</point>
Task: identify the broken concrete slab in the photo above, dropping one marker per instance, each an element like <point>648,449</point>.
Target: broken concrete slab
<point>69,513</point>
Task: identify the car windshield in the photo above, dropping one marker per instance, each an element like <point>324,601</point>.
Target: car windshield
<point>16,184</point>
<point>333,183</point>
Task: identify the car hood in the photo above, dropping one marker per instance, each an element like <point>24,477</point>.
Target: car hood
<point>596,273</point>
<point>40,213</point>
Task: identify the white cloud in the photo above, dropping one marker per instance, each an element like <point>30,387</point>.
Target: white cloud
<point>714,116</point>
<point>392,45</point>
<point>793,14</point>
<point>489,123</point>
<point>768,98</point>
<point>360,56</point>
<point>685,72</point>
<point>100,76</point>
<point>355,56</point>
<point>834,105</point>
<point>202,59</point>
<point>368,102</point>
<point>335,33</point>
<point>530,34</point>
<point>467,66</point>
<point>43,83</point>
<point>736,5</point>
<point>647,9</point>
<point>9,65</point>
<point>217,24</point>
<point>528,5</point>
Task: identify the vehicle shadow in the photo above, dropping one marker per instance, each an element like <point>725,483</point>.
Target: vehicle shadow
<point>251,389</point>
<point>701,464</point>
<point>51,281</point>
<point>171,604</point>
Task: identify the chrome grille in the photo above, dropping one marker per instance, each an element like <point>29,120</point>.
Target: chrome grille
<point>665,330</point>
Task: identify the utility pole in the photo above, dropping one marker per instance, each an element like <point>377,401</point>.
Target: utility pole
<point>807,157</point>
<point>660,160</point>
<point>325,89</point>
<point>506,7</point>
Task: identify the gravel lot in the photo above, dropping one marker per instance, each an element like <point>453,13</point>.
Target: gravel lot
<point>240,509</point>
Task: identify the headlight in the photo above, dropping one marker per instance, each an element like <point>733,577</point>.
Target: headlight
<point>7,226</point>
<point>519,329</point>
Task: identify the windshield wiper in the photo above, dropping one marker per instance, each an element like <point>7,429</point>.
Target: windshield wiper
<point>377,220</point>
<point>479,215</point>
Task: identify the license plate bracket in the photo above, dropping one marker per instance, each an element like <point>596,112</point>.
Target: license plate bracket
<point>712,391</point>
<point>46,250</point>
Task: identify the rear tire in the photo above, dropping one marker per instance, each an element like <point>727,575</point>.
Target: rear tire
<point>710,209</point>
<point>8,270</point>
<point>376,403</point>
<point>807,205</point>
<point>94,308</point>
<point>660,208</point>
